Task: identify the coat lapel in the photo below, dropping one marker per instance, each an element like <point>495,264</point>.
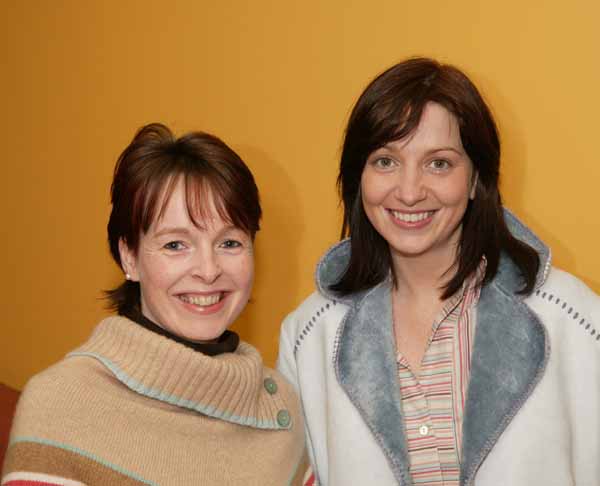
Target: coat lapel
<point>508,359</point>
<point>366,368</point>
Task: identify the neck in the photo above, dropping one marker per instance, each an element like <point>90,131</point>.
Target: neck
<point>423,275</point>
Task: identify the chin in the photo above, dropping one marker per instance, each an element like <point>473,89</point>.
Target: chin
<point>415,250</point>
<point>197,332</point>
<point>203,337</point>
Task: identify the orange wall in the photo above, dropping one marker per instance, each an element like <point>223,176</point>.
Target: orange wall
<point>276,80</point>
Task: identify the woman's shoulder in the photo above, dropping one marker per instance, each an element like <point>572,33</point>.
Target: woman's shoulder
<point>566,304</point>
<point>312,327</point>
<point>561,288</point>
<point>62,389</point>
<point>315,308</point>
<point>71,371</point>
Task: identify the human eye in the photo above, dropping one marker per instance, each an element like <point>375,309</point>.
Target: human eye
<point>440,165</point>
<point>174,246</point>
<point>383,163</point>
<point>230,244</point>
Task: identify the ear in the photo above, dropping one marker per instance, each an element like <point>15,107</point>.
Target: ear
<point>474,181</point>
<point>128,261</point>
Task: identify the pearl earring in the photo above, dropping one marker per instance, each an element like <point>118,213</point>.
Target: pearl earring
<point>127,276</point>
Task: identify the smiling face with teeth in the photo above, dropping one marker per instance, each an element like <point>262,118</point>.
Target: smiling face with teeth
<point>195,274</point>
<point>415,190</point>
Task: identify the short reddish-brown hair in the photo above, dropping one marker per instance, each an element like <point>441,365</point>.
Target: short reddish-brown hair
<point>145,176</point>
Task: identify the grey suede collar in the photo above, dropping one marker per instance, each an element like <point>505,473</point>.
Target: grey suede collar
<point>508,359</point>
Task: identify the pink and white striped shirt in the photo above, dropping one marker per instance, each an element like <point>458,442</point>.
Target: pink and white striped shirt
<point>433,401</point>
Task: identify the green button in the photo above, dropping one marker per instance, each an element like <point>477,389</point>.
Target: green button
<point>283,418</point>
<point>270,386</point>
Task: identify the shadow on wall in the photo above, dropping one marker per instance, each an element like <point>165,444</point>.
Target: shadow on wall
<point>513,146</point>
<point>513,161</point>
<point>556,243</point>
<point>276,286</point>
<point>512,174</point>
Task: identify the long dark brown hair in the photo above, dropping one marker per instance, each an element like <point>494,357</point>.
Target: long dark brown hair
<point>389,109</point>
<point>147,172</point>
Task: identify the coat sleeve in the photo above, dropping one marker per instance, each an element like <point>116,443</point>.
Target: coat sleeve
<point>286,360</point>
<point>287,366</point>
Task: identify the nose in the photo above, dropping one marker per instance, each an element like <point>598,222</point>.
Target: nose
<point>410,187</point>
<point>206,266</point>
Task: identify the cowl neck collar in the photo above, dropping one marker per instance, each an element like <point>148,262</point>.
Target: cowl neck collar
<point>229,386</point>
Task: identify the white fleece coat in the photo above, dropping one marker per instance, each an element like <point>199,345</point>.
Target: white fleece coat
<point>533,408</point>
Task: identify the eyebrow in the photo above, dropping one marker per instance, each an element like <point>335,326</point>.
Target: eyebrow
<point>386,149</point>
<point>172,230</point>
<point>445,149</point>
<point>180,230</point>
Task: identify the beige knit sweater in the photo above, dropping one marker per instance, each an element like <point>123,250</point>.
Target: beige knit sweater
<point>130,407</point>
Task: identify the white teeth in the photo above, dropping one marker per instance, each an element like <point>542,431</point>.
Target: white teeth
<point>411,217</point>
<point>202,300</point>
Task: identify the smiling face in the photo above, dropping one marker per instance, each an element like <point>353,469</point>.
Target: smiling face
<point>415,190</point>
<point>194,280</point>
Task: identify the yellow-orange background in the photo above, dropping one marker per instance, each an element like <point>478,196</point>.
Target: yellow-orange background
<point>276,80</point>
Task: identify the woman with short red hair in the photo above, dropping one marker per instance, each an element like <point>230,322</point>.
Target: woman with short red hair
<point>163,393</point>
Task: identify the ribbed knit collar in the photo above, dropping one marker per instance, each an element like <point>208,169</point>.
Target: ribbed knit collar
<point>229,386</point>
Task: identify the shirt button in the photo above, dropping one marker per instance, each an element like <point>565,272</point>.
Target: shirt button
<point>423,430</point>
<point>270,386</point>
<point>283,418</point>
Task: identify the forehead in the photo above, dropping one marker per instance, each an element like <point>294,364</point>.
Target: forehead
<point>188,202</point>
<point>438,128</point>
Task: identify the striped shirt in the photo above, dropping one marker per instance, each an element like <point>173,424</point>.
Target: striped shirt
<point>433,402</point>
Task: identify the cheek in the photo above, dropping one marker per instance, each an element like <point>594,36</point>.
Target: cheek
<point>375,188</point>
<point>455,193</point>
<point>241,271</point>
<point>246,276</point>
<point>369,189</point>
<point>158,274</point>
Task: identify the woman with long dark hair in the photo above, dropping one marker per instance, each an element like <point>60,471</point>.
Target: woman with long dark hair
<point>441,347</point>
